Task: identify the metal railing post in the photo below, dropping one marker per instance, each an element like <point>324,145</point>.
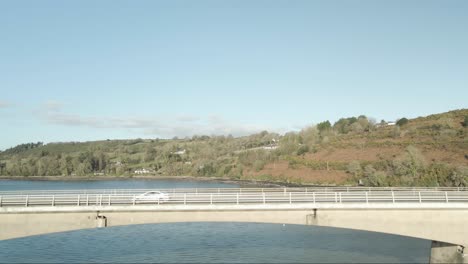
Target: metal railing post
<point>367,198</point>
<point>185,198</point>
<point>264,200</point>
<point>109,199</point>
<point>290,197</point>
<point>87,199</point>
<point>237,195</point>
<point>336,197</point>
<point>211,198</point>
<point>0,201</point>
<point>446,197</point>
<point>78,202</point>
<point>340,197</point>
<point>53,200</point>
<point>27,200</point>
<point>134,199</point>
<point>100,200</point>
<point>393,197</point>
<point>313,197</point>
<point>419,195</point>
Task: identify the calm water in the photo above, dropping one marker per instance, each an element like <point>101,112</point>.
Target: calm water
<point>204,242</point>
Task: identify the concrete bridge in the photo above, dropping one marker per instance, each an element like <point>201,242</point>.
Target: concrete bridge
<point>434,214</point>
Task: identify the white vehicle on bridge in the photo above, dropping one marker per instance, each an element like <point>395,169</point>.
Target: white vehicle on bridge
<point>152,196</point>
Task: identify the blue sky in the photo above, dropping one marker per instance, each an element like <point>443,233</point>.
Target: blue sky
<point>93,70</point>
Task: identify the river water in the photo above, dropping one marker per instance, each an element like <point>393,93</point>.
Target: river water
<point>203,242</point>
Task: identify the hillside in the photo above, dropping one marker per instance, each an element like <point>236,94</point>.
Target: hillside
<point>430,151</point>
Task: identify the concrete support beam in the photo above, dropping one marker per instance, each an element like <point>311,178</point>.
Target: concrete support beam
<point>447,225</point>
<point>442,252</point>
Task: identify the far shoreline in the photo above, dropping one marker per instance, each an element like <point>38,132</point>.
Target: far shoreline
<point>154,177</point>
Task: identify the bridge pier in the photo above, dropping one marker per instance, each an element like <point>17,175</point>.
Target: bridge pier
<point>442,252</point>
<point>101,221</point>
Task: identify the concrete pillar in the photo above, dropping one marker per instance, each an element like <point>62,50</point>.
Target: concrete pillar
<point>442,252</point>
<point>101,221</point>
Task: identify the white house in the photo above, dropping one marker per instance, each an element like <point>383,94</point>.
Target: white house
<point>143,171</point>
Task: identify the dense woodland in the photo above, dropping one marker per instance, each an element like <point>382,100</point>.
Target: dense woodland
<point>429,151</point>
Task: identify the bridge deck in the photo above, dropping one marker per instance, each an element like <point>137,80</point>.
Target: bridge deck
<point>417,197</point>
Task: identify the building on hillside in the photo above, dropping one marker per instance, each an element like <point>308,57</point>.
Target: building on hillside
<point>270,147</point>
<point>143,171</point>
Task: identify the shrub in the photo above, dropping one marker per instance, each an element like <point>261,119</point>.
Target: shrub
<point>459,177</point>
<point>354,167</point>
<point>258,165</point>
<point>465,122</point>
<point>302,150</point>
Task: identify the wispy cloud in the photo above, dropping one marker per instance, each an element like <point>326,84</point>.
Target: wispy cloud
<point>4,104</point>
<point>52,105</point>
<point>166,127</point>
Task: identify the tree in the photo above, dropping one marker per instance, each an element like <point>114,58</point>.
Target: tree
<point>410,167</point>
<point>310,136</point>
<point>302,150</point>
<point>465,122</point>
<point>324,126</point>
<point>402,121</point>
<point>2,167</point>
<point>373,177</point>
<point>343,124</point>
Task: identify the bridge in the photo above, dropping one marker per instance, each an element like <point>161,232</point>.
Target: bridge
<point>436,214</point>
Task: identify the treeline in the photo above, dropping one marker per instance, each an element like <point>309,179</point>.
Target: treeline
<point>196,156</point>
<point>22,147</point>
<point>46,164</point>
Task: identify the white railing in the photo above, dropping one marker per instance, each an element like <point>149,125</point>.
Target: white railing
<point>233,190</point>
<point>179,198</point>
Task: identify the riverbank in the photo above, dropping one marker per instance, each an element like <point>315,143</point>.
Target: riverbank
<point>152,177</point>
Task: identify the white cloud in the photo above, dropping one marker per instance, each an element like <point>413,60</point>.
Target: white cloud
<point>4,104</point>
<point>52,105</point>
<point>165,127</point>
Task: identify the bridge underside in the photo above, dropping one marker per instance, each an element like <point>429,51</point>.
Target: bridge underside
<point>446,228</point>
<point>442,225</point>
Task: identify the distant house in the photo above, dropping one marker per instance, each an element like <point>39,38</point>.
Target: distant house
<point>273,144</point>
<point>270,147</point>
<point>381,124</point>
<point>143,171</point>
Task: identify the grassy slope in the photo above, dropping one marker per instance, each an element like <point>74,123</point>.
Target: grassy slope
<point>441,138</point>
